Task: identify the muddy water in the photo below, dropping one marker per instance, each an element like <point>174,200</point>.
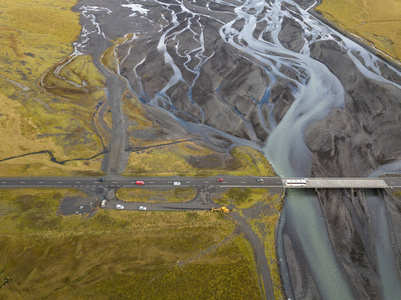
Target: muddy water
<point>177,49</point>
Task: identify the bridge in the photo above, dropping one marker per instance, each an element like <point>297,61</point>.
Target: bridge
<point>223,182</point>
<point>333,183</point>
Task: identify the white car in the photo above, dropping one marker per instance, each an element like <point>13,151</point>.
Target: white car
<point>119,206</point>
<point>142,207</point>
<point>177,183</point>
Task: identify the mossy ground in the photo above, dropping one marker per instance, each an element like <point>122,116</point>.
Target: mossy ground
<point>156,194</point>
<point>35,116</point>
<point>378,22</point>
<point>262,211</point>
<point>118,254</point>
<point>172,159</point>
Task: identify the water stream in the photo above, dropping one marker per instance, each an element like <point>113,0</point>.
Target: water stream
<point>182,40</point>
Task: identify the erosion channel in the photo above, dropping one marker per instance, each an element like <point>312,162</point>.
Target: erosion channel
<point>269,75</point>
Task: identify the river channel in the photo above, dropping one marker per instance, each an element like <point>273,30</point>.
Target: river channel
<point>263,74</point>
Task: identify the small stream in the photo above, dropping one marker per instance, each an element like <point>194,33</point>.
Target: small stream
<point>315,89</point>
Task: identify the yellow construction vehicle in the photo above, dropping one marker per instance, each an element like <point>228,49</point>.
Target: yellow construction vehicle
<point>222,209</point>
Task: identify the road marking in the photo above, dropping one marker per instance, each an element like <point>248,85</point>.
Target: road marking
<point>243,182</point>
<point>152,182</point>
<point>3,182</point>
<point>59,182</point>
<point>78,182</point>
<point>115,182</point>
<point>41,182</point>
<point>22,181</point>
<point>206,181</point>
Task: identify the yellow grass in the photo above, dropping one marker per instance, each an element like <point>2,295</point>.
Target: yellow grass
<point>37,36</point>
<point>117,254</point>
<point>156,195</point>
<point>165,160</point>
<point>264,225</point>
<point>378,22</point>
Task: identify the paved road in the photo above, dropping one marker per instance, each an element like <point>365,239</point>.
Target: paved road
<point>92,182</point>
<point>229,181</point>
<point>260,257</point>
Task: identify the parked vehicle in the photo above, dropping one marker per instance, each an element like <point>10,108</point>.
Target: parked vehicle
<point>103,204</point>
<point>222,209</point>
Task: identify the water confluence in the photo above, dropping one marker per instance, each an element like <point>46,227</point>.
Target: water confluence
<point>172,71</point>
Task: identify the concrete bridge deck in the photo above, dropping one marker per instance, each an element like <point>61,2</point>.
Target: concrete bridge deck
<point>332,183</point>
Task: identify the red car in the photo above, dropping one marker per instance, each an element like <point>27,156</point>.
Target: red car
<point>140,182</point>
<point>220,180</point>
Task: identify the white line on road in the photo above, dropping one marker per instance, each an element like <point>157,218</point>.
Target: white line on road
<point>3,182</point>
<point>41,182</point>
<point>206,181</point>
<point>78,182</point>
<point>22,182</point>
<point>115,182</point>
<point>243,182</point>
<point>59,182</point>
<point>151,182</point>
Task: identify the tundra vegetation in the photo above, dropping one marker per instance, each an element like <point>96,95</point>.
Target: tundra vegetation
<point>261,208</point>
<point>375,22</point>
<point>44,112</point>
<point>51,119</point>
<point>119,254</point>
<point>156,194</point>
<point>52,124</point>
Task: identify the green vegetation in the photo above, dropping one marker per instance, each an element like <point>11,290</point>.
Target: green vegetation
<point>156,195</point>
<point>118,254</point>
<point>37,107</point>
<point>373,21</point>
<point>175,159</point>
<point>249,203</point>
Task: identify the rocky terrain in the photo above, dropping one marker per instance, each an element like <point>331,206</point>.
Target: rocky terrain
<point>270,76</point>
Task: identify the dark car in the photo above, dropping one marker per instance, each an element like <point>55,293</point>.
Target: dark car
<point>101,179</point>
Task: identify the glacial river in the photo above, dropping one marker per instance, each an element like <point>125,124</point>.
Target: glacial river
<point>315,90</point>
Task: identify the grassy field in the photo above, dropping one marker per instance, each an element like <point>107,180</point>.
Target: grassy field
<point>118,254</point>
<point>378,22</point>
<point>262,210</point>
<point>169,160</point>
<point>40,111</point>
<point>156,195</point>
